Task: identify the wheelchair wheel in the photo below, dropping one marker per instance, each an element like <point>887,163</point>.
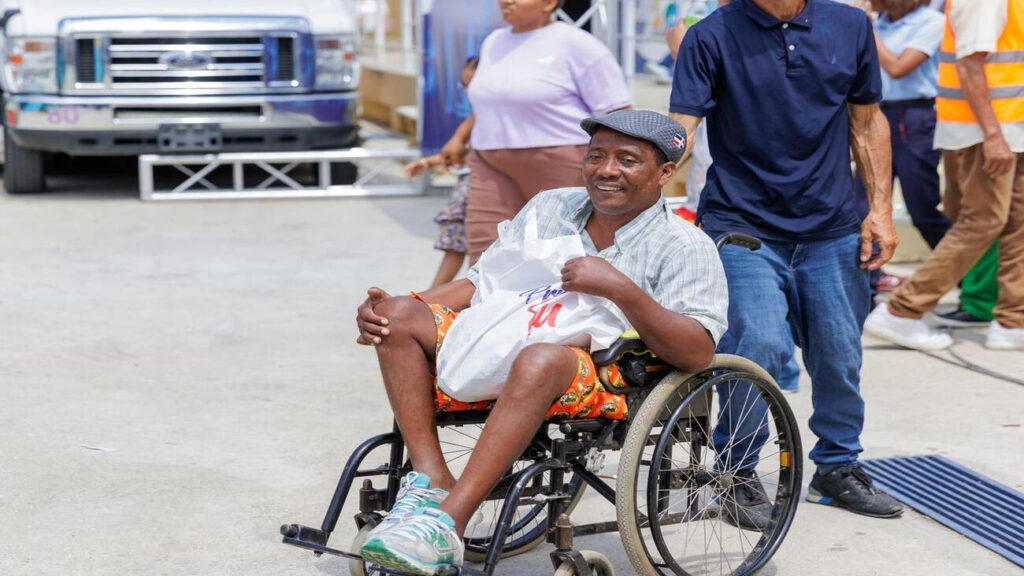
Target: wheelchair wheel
<point>357,567</point>
<point>678,477</point>
<point>529,524</point>
<point>598,563</point>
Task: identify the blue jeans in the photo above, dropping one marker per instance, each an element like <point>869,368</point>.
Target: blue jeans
<point>815,294</point>
<point>789,378</point>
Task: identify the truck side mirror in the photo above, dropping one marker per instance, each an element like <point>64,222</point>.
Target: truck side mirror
<point>8,14</point>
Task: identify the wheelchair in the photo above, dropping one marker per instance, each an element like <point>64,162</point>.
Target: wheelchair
<point>676,465</point>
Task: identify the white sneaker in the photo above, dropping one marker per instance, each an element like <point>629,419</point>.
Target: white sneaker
<point>906,332</point>
<point>662,75</point>
<point>1000,338</point>
<point>418,544</point>
<point>414,492</point>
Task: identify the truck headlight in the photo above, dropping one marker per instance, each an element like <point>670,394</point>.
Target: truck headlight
<point>30,65</point>
<point>336,66</point>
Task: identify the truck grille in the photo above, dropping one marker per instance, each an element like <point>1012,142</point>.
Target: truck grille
<point>186,62</point>
<point>285,58</point>
<point>193,65</point>
<point>85,60</point>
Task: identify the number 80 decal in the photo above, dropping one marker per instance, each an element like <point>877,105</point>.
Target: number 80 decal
<point>62,115</point>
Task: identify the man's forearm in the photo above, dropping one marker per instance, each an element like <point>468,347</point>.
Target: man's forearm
<point>886,59</point>
<point>872,151</point>
<point>679,340</point>
<point>455,295</point>
<point>971,70</point>
<point>900,65</point>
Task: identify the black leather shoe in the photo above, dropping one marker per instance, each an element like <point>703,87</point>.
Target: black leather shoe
<point>746,503</point>
<point>850,487</point>
<point>959,318</point>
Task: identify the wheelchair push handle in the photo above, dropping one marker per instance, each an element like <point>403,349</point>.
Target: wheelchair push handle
<point>739,239</point>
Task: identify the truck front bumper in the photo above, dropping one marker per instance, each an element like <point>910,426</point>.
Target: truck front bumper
<point>123,125</point>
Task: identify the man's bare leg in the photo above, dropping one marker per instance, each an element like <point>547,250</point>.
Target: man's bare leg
<point>539,376</point>
<point>406,357</point>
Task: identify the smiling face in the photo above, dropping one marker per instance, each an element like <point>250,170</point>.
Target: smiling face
<point>525,15</point>
<point>624,174</point>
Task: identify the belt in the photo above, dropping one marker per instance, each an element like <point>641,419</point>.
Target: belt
<point>916,103</point>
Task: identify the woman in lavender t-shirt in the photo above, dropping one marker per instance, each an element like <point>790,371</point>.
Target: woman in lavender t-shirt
<point>535,82</point>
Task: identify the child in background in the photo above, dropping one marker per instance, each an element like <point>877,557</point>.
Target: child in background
<point>451,220</point>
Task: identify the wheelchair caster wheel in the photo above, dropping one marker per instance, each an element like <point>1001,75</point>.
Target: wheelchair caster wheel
<point>598,563</point>
<point>356,567</point>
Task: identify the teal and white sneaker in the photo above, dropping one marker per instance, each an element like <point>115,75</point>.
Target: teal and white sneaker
<point>419,544</point>
<point>414,492</point>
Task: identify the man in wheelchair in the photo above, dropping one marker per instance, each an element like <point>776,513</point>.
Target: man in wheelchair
<point>661,272</point>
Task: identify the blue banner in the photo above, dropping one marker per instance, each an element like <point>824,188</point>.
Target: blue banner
<point>452,32</point>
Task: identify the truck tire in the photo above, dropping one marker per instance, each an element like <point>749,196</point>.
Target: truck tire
<point>23,169</point>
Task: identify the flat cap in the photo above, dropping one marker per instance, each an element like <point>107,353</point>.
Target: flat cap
<point>665,133</point>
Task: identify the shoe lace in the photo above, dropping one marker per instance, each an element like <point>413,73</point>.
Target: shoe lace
<point>410,498</point>
<point>860,476</point>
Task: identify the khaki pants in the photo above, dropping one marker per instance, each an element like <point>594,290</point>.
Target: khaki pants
<point>984,210</point>
<point>503,181</point>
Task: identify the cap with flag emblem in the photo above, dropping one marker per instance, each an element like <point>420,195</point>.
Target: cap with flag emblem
<point>663,132</point>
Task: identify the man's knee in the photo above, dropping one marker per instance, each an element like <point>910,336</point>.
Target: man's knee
<point>770,348</point>
<point>406,316</point>
<point>400,308</point>
<point>542,367</point>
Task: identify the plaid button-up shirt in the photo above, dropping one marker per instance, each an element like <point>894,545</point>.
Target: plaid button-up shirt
<point>672,260</point>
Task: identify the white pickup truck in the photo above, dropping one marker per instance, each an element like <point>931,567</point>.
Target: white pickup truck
<point>125,77</point>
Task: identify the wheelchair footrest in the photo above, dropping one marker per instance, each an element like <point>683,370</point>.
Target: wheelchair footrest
<point>445,571</point>
<point>310,539</point>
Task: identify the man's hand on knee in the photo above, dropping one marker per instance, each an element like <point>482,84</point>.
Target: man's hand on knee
<point>372,327</point>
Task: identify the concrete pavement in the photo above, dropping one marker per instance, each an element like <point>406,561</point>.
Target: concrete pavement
<point>180,379</point>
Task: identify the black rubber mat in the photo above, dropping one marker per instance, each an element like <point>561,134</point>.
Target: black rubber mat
<point>980,508</point>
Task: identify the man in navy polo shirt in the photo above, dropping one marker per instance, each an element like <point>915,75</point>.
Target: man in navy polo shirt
<point>785,85</point>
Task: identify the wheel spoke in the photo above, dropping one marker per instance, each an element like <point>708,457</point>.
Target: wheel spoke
<point>528,520</point>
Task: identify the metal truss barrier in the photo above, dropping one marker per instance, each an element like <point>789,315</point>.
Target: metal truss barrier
<point>196,172</point>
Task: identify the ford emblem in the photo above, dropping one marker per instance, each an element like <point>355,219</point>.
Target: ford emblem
<point>186,60</point>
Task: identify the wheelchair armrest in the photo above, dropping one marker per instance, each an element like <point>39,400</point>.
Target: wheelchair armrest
<point>612,353</point>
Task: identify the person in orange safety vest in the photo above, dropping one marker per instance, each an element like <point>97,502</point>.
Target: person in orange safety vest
<point>980,129</point>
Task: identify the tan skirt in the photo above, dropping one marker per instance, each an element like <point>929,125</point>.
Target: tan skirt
<point>503,181</point>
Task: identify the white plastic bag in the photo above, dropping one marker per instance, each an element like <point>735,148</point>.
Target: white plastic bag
<point>519,301</point>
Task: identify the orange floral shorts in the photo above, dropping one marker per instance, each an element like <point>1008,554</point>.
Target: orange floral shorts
<point>585,398</point>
